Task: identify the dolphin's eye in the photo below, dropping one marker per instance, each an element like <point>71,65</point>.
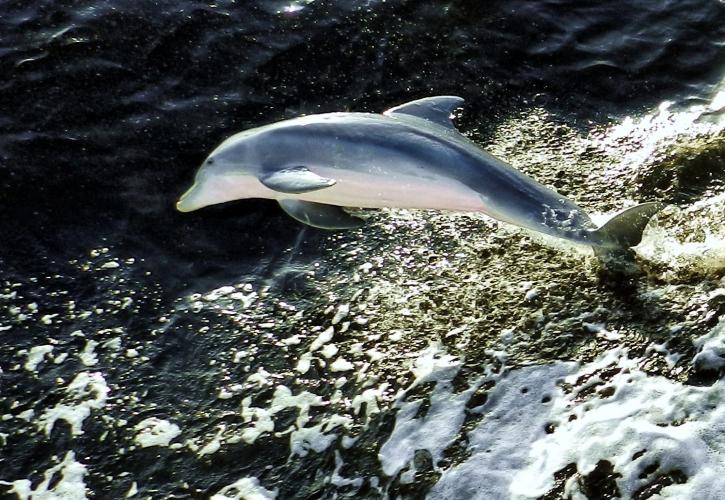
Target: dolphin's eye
<point>210,161</point>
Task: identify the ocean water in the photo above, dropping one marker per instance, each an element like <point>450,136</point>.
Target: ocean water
<point>232,353</point>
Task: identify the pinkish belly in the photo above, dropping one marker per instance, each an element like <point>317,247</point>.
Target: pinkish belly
<point>360,190</point>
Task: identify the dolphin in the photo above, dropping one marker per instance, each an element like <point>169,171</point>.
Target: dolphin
<point>410,156</point>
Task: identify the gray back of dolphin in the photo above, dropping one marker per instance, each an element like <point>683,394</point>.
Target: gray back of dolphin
<point>409,157</point>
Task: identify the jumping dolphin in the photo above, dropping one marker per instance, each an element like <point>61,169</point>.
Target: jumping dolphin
<point>411,156</point>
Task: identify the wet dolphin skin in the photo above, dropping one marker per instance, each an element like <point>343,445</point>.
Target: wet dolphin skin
<point>411,156</point>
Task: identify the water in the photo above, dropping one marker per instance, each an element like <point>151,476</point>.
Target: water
<point>295,362</point>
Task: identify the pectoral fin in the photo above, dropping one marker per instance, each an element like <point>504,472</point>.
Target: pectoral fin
<point>295,180</point>
<point>320,215</point>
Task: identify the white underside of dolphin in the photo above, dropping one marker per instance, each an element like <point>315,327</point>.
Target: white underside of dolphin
<point>411,156</point>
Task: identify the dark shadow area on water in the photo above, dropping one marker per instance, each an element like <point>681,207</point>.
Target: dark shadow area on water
<point>249,240</point>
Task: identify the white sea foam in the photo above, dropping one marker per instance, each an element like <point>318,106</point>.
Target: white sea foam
<point>434,364</point>
<point>214,445</point>
<point>711,348</point>
<point>66,477</point>
<point>342,311</point>
<point>155,432</point>
<point>369,398</point>
<point>706,257</point>
<point>304,439</point>
<point>646,421</point>
<point>36,355</point>
<point>329,350</point>
<point>88,356</point>
<point>322,339</point>
<point>646,135</point>
<point>341,481</point>
<point>132,491</point>
<point>260,378</point>
<point>88,391</point>
<point>303,364</point>
<point>247,488</point>
<point>437,428</point>
<point>531,428</point>
<point>341,365</point>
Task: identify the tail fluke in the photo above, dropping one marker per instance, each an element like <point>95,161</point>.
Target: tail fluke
<point>624,230</point>
<point>617,236</point>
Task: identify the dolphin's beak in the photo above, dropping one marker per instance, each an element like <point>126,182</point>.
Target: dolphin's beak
<point>208,190</point>
<point>187,203</point>
<point>183,206</point>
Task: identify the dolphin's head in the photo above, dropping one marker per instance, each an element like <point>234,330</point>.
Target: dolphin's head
<point>228,173</point>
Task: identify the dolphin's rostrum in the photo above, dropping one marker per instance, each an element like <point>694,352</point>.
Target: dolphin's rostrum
<point>411,156</point>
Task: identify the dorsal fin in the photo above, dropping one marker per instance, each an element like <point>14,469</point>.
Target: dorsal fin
<point>437,109</point>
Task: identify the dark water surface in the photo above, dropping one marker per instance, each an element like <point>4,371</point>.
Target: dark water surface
<point>107,109</point>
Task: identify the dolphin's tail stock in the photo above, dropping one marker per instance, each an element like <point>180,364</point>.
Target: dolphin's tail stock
<point>622,232</point>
